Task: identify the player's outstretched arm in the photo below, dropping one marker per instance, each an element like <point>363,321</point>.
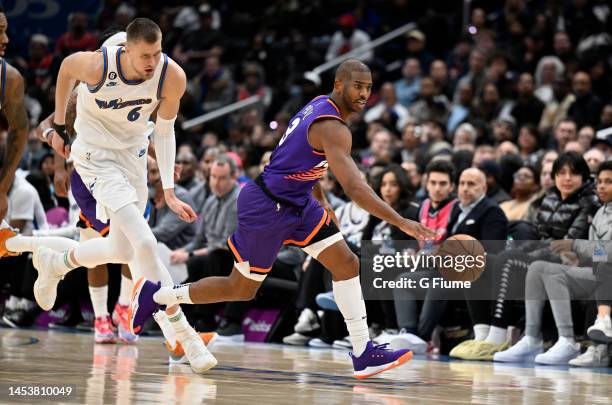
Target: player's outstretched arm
<point>17,118</point>
<point>165,143</point>
<point>336,141</point>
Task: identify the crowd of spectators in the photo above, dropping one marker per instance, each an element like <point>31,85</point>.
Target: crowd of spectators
<point>506,122</point>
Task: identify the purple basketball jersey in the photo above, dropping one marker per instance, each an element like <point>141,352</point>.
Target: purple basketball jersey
<point>295,166</point>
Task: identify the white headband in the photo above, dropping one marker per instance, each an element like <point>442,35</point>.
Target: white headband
<point>118,39</point>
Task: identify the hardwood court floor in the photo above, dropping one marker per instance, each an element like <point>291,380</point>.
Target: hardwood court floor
<point>262,374</point>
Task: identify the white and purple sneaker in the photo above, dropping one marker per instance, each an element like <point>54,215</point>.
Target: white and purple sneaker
<point>142,305</point>
<point>378,358</point>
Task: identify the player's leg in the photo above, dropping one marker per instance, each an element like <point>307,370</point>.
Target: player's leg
<point>321,239</point>
<point>120,312</point>
<point>11,243</point>
<point>146,263</point>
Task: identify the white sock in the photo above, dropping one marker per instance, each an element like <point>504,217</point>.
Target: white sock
<point>99,297</point>
<point>481,331</point>
<point>173,295</point>
<point>22,243</point>
<point>347,294</point>
<point>496,335</point>
<point>532,340</point>
<point>179,322</point>
<point>126,290</point>
<point>65,261</point>
<point>164,324</point>
<point>567,339</point>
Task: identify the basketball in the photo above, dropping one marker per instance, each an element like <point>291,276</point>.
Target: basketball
<point>463,258</point>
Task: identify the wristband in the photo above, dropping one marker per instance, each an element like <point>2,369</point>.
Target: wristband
<point>46,133</point>
<point>61,131</point>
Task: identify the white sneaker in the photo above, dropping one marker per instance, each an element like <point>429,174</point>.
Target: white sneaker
<point>200,359</point>
<point>307,322</point>
<point>45,286</point>
<point>320,343</point>
<point>386,336</point>
<point>296,339</point>
<point>524,351</point>
<point>595,356</point>
<point>601,331</point>
<point>559,354</point>
<point>405,340</point>
<point>344,344</point>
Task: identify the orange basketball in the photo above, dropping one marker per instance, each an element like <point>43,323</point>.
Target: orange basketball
<point>463,258</point>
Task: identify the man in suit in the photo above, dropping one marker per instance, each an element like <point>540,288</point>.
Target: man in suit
<point>480,217</point>
<point>476,214</point>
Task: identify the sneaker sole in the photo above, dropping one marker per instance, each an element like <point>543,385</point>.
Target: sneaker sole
<point>104,341</point>
<point>403,359</point>
<point>599,336</point>
<point>134,304</point>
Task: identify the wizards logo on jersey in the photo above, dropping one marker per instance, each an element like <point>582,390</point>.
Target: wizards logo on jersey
<point>315,173</point>
<point>118,103</point>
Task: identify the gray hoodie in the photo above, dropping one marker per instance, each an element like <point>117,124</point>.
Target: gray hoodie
<point>600,230</point>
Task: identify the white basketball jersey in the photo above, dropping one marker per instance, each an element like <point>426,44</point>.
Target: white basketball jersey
<point>114,113</point>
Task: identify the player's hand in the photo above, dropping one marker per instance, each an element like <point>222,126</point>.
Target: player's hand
<point>57,143</point>
<point>416,230</point>
<point>183,210</point>
<point>61,182</point>
<point>178,256</point>
<point>3,205</point>
<point>563,245</point>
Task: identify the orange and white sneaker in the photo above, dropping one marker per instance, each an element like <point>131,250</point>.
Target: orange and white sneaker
<point>177,354</point>
<point>120,319</point>
<point>103,330</point>
<point>6,232</point>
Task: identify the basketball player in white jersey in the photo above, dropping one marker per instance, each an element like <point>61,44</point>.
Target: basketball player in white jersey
<point>120,88</point>
<point>13,108</point>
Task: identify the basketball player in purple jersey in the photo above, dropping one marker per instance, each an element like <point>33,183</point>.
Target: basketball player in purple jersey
<point>279,209</point>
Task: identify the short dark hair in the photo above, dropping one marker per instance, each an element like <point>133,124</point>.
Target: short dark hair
<point>226,160</point>
<point>607,165</point>
<point>441,166</point>
<point>575,162</point>
<point>349,66</point>
<point>143,29</point>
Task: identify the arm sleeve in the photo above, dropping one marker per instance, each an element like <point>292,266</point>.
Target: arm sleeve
<point>165,150</point>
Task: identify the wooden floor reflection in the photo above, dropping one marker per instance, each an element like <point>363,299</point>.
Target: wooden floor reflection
<point>263,374</point>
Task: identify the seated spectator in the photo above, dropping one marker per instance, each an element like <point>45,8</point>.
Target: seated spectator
<point>559,283</point>
<point>565,131</point>
<point>166,225</point>
<point>524,190</point>
<point>431,105</point>
<point>77,38</point>
<point>594,158</point>
<point>380,148</point>
<point>414,329</point>
<point>586,109</point>
<point>527,109</point>
<point>549,69</point>
<point>388,111</point>
<point>586,136</point>
<point>493,173</point>
<point>529,144</point>
<point>407,88</point>
<point>348,38</point>
<point>564,214</point>
<point>207,255</point>
<point>189,181</point>
<point>465,137</point>
<point>556,110</point>
<point>461,109</point>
